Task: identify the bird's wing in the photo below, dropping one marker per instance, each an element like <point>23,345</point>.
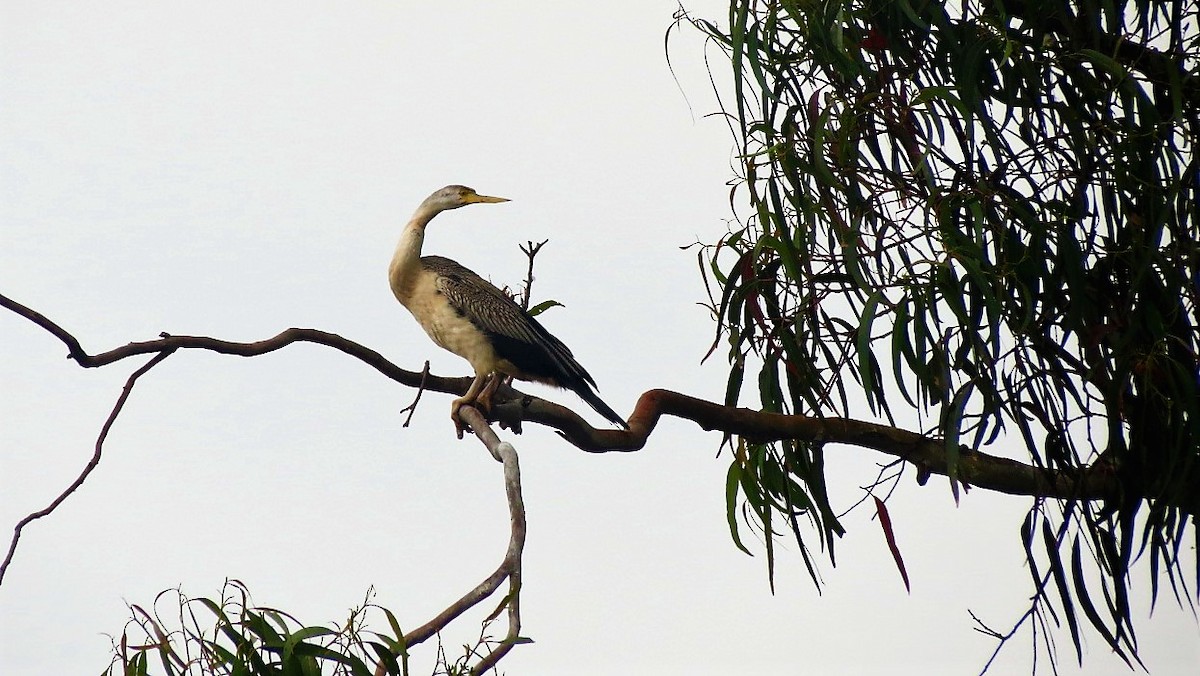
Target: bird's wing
<point>515,335</point>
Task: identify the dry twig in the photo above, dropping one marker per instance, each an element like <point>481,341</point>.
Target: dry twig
<point>412,408</point>
<point>92,463</point>
<point>531,251</point>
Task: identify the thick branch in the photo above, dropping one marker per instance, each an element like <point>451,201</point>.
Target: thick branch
<point>977,469</point>
<point>974,468</point>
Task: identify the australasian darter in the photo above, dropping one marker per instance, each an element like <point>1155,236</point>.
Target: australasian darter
<point>467,315</point>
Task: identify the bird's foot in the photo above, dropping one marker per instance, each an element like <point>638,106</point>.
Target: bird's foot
<point>478,395</point>
<point>484,406</point>
<point>456,416</point>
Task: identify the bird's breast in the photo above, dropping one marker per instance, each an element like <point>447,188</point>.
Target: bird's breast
<point>447,327</point>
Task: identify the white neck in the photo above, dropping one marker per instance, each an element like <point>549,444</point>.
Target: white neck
<point>407,259</point>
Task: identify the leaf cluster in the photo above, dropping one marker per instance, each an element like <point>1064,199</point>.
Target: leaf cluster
<point>230,636</point>
<point>981,216</point>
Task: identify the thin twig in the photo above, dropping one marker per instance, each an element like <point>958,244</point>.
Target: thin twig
<point>530,251</point>
<point>880,479</point>
<point>1002,639</point>
<point>91,465</point>
<point>412,408</point>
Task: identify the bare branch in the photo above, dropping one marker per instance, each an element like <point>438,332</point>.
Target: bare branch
<point>531,251</point>
<point>506,454</point>
<point>364,354</point>
<point>412,408</point>
<point>91,465</point>
<point>510,567</point>
<point>927,453</point>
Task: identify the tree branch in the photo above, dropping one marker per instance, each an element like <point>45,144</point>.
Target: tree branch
<point>531,252</point>
<point>364,354</point>
<point>927,453</point>
<point>92,463</point>
<point>510,567</point>
<point>975,468</point>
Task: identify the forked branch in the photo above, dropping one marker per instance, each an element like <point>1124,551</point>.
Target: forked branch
<point>510,567</point>
<point>927,453</point>
<point>87,469</point>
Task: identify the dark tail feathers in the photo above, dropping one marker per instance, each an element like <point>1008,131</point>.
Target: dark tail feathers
<point>585,393</point>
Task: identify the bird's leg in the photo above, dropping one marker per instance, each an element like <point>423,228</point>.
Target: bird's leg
<point>471,397</point>
<point>484,400</point>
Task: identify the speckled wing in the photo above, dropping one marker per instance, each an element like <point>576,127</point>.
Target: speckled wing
<point>516,337</point>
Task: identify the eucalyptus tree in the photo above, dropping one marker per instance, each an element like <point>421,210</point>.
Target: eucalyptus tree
<point>981,219</point>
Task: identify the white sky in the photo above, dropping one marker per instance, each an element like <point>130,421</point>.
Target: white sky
<point>233,169</point>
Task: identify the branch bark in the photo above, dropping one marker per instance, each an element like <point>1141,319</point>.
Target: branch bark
<point>927,453</point>
<point>977,469</point>
<point>509,568</point>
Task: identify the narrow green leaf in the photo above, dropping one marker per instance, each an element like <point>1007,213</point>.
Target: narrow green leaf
<point>1051,543</point>
<point>301,635</point>
<point>386,657</point>
<point>395,625</point>
<point>1105,61</point>
<point>223,621</point>
<point>543,306</point>
<point>863,346</point>
<point>733,386</point>
<point>769,542</point>
<point>141,664</point>
<point>1089,609</point>
<point>318,652</point>
<point>952,420</point>
<point>941,92</point>
<point>733,480</point>
<point>901,350</point>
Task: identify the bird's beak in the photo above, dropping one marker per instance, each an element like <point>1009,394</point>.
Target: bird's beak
<point>486,199</point>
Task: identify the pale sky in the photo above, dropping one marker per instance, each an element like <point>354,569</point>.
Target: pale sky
<point>232,169</point>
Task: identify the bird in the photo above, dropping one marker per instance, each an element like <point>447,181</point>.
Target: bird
<point>467,315</point>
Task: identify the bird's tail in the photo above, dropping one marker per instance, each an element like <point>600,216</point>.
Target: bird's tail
<point>585,393</point>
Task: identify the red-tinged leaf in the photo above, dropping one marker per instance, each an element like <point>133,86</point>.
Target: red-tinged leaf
<point>885,522</point>
<point>875,41</point>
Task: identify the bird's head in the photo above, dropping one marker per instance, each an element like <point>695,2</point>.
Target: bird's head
<point>455,196</point>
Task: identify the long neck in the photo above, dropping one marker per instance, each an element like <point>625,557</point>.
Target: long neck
<point>407,259</point>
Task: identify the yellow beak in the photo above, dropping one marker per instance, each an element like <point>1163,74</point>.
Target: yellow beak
<point>476,199</point>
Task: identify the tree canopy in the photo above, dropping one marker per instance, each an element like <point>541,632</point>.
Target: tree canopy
<point>966,238</point>
<point>981,217</point>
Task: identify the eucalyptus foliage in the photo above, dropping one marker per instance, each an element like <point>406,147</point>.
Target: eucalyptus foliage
<point>181,636</point>
<point>230,636</point>
<point>979,219</point>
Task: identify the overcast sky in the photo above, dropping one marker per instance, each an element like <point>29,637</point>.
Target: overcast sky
<point>232,169</point>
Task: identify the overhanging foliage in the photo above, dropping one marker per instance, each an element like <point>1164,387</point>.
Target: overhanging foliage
<point>983,217</point>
